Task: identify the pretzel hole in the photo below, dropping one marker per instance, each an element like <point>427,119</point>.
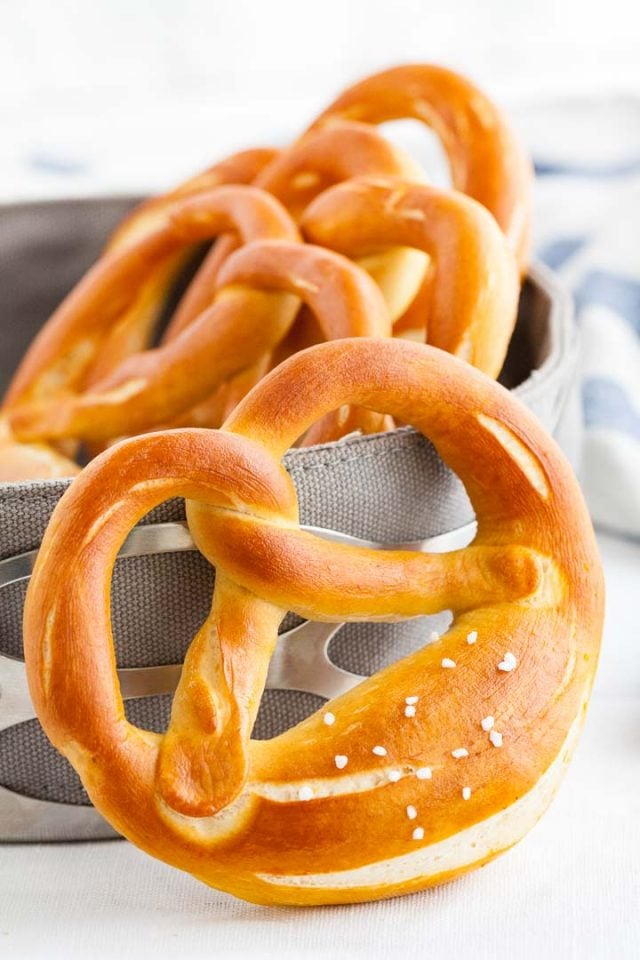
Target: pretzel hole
<point>365,648</point>
<point>419,141</point>
<point>282,709</point>
<point>178,288</point>
<point>158,603</point>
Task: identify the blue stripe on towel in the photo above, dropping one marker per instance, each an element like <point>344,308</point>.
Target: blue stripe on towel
<point>607,405</point>
<point>612,290</point>
<point>550,168</point>
<point>556,253</point>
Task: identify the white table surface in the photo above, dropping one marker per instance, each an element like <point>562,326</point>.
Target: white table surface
<point>569,890</point>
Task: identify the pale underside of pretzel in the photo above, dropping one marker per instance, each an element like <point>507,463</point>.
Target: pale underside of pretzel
<point>382,801</point>
<point>28,461</point>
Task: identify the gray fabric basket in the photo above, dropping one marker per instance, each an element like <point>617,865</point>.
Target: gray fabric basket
<point>388,487</point>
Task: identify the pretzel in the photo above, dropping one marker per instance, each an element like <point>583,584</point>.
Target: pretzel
<point>296,177</point>
<point>365,798</point>
<point>249,316</point>
<point>85,372</point>
<point>480,331</point>
<point>486,162</point>
<point>485,158</point>
<point>474,287</point>
<point>57,363</point>
<point>133,331</point>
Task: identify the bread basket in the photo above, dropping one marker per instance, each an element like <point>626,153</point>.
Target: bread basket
<point>389,487</point>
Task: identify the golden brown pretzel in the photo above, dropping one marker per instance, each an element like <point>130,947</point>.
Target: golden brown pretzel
<point>486,160</point>
<point>474,286</point>
<point>134,329</point>
<point>56,365</point>
<point>252,312</point>
<point>381,801</point>
<point>297,176</point>
<point>66,347</point>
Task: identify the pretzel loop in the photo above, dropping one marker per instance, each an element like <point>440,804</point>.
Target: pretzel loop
<point>254,308</point>
<point>65,348</point>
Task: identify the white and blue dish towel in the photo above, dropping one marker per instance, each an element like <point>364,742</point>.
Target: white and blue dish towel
<point>587,156</point>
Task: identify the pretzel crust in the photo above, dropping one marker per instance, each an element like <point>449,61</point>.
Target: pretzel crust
<point>260,289</point>
<point>24,461</point>
<point>233,811</point>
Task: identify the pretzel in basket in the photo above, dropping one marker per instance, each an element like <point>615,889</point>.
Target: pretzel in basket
<point>85,378</point>
<point>473,282</point>
<point>473,309</point>
<point>134,329</point>
<point>297,176</point>
<point>87,326</point>
<point>485,158</point>
<point>261,287</point>
<point>432,766</point>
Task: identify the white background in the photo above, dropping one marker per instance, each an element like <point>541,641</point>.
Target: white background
<point>121,95</point>
<point>138,93</point>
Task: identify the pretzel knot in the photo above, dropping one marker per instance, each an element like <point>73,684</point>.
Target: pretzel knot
<point>384,800</point>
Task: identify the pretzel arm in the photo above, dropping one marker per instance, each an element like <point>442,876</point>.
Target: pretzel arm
<point>372,586</point>
<point>68,344</point>
<point>225,668</point>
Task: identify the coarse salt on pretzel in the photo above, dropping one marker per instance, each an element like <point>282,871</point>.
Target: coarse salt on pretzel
<point>424,795</point>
